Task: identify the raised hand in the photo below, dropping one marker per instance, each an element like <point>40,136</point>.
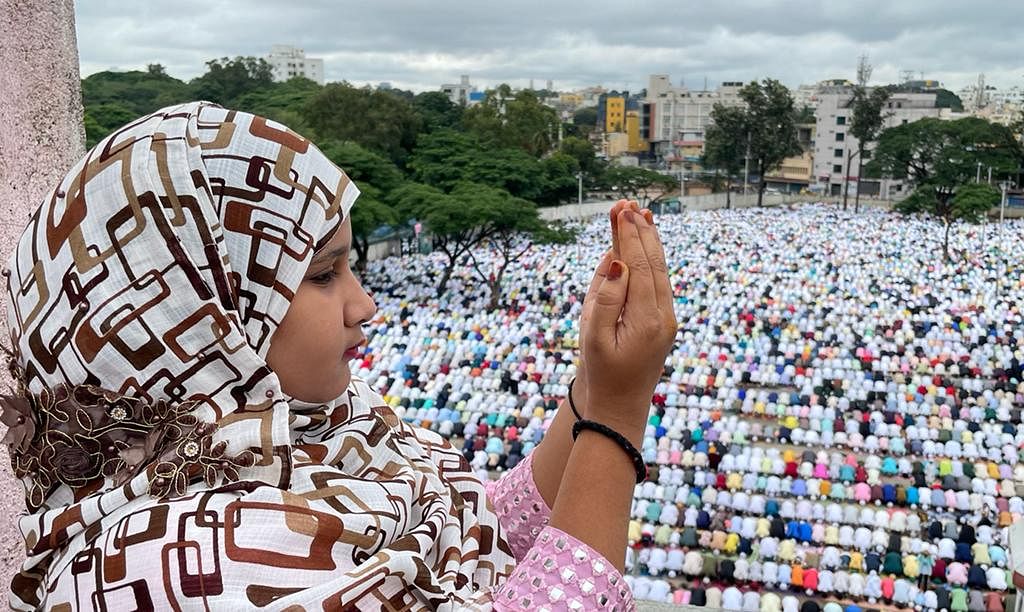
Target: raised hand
<point>630,325</point>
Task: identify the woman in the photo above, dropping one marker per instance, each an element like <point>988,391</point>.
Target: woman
<point>182,315</point>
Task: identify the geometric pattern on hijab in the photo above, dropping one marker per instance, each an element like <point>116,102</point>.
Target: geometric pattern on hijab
<point>143,295</point>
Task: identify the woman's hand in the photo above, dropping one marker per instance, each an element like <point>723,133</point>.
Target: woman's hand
<point>628,327</point>
<point>579,390</point>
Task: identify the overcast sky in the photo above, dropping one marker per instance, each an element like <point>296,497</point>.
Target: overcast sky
<point>419,44</point>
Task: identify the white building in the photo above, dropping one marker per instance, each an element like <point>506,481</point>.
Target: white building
<point>833,143</point>
<point>459,93</point>
<point>808,95</point>
<point>287,62</point>
<point>677,117</point>
<point>993,104</point>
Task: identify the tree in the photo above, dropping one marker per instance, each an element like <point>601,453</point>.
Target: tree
<point>226,80</point>
<point>560,182</point>
<point>369,214</point>
<point>518,120</point>
<point>140,92</point>
<point>938,157</point>
<point>509,227</point>
<point>375,119</point>
<point>947,99</point>
<point>446,158</point>
<point>771,127</point>
<point>586,119</point>
<point>364,165</point>
<point>725,144</point>
<point>583,151</point>
<point>641,184</point>
<point>805,114</point>
<point>866,124</point>
<point>102,119</point>
<point>376,178</point>
<point>282,102</point>
<point>437,111</point>
<point>112,99</point>
<point>970,203</point>
<point>457,226</point>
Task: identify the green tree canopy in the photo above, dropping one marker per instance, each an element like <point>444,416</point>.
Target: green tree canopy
<point>944,154</point>
<point>226,80</point>
<point>369,213</point>
<point>282,102</point>
<point>375,119</point>
<point>102,119</point>
<point>457,226</point>
<point>560,183</point>
<point>583,151</point>
<point>633,183</point>
<point>771,122</point>
<point>437,111</point>
<point>112,99</point>
<point>586,118</point>
<point>377,178</point>
<point>446,158</point>
<point>519,120</point>
<point>508,227</point>
<point>866,124</point>
<point>363,165</point>
<point>725,143</point>
<point>939,158</point>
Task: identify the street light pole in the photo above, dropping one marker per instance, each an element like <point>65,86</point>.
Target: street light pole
<point>1002,210</point>
<point>579,195</point>
<point>579,209</point>
<point>746,169</point>
<point>977,177</point>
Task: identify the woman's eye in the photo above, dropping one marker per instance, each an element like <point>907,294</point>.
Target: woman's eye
<point>324,277</point>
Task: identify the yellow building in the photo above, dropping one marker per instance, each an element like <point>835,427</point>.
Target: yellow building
<point>615,114</point>
<point>636,144</point>
<point>797,170</point>
<point>615,144</point>
<point>574,100</point>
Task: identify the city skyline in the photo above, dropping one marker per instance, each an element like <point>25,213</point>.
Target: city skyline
<point>574,44</point>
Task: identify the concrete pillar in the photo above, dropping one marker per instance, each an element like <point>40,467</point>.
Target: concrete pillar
<point>41,136</point>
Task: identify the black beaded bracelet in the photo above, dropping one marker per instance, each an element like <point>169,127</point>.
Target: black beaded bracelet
<point>634,455</point>
<point>572,404</point>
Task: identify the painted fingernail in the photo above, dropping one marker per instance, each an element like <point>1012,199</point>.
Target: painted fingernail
<point>649,216</point>
<point>615,270</point>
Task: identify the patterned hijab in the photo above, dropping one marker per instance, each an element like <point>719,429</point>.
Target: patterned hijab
<point>162,463</point>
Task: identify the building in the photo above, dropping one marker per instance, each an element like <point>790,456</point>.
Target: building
<point>460,93</point>
<point>676,118</point>
<point>835,148</point>
<point>806,96</point>
<point>636,144</point>
<point>796,173</point>
<point>287,62</point>
<point>615,144</point>
<point>990,103</point>
<point>620,125</point>
<point>611,111</point>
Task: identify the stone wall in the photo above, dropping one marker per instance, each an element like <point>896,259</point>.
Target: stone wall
<point>41,136</point>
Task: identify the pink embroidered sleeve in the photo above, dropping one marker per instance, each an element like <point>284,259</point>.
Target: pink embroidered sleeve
<point>584,580</point>
<point>560,573</point>
<point>521,510</point>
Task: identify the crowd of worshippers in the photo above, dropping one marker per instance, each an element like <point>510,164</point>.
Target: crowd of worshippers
<point>840,418</point>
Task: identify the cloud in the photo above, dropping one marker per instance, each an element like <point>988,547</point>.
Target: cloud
<point>419,45</point>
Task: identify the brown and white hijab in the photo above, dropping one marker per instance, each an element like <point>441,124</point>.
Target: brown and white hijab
<point>163,466</point>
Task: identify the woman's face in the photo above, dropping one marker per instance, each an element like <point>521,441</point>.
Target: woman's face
<point>311,349</point>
